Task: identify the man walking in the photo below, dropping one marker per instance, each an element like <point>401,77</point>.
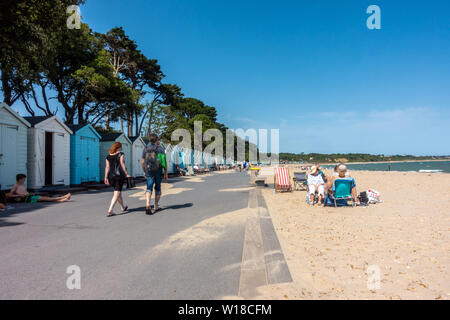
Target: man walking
<point>153,164</point>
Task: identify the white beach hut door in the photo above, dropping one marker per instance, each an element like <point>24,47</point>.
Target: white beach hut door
<point>59,164</point>
<point>8,155</point>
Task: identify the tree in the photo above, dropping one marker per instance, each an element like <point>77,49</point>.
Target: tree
<point>139,72</point>
<point>29,29</point>
<point>156,109</point>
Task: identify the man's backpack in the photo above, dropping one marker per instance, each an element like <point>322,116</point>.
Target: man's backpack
<point>151,161</point>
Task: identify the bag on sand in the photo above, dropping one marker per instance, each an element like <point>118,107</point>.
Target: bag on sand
<point>363,198</point>
<point>374,196</point>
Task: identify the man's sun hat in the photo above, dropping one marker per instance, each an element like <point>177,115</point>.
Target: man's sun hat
<point>313,169</point>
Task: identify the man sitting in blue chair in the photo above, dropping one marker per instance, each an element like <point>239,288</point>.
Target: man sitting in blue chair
<point>342,187</point>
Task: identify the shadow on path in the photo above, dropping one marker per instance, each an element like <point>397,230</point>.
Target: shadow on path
<point>172,207</point>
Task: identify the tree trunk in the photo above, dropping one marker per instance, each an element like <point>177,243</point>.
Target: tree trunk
<point>108,109</point>
<point>130,125</point>
<point>121,124</point>
<point>137,124</point>
<point>80,115</point>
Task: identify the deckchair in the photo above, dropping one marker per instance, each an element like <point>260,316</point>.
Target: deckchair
<point>341,190</point>
<point>282,180</point>
<point>300,181</point>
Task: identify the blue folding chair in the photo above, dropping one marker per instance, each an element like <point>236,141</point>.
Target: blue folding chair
<point>300,181</point>
<point>341,192</point>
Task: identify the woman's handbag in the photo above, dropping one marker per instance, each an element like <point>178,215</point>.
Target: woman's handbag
<point>131,183</point>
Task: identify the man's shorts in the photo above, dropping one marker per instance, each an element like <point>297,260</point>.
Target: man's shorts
<point>154,181</point>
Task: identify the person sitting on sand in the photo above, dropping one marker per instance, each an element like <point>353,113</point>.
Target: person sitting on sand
<point>315,184</point>
<point>19,193</point>
<point>342,173</point>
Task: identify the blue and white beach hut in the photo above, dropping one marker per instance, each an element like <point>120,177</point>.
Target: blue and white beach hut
<point>84,154</point>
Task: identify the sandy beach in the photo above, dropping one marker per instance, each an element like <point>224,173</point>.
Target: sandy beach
<point>328,250</point>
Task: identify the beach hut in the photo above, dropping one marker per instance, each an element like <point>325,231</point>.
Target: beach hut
<point>207,160</point>
<point>171,165</point>
<point>13,146</point>
<point>48,152</point>
<point>106,141</point>
<point>186,157</point>
<point>138,145</point>
<point>179,156</point>
<point>84,154</point>
<point>198,158</point>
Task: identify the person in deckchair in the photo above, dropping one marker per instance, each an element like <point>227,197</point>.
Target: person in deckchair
<point>343,174</point>
<point>315,184</point>
<point>336,173</point>
<point>19,193</point>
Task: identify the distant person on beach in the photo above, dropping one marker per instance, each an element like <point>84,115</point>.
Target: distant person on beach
<point>153,164</point>
<point>19,193</point>
<point>315,184</point>
<point>115,176</point>
<point>343,174</point>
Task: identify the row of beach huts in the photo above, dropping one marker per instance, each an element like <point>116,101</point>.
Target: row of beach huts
<point>51,153</point>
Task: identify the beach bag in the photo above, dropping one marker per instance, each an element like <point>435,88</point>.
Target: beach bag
<point>363,198</point>
<point>131,183</point>
<point>374,196</point>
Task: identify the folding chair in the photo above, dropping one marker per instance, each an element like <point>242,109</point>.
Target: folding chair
<point>282,180</point>
<point>300,181</point>
<point>341,192</point>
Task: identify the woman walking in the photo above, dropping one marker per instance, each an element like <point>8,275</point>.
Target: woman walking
<point>115,175</point>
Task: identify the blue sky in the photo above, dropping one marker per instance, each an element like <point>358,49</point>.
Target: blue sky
<point>310,68</point>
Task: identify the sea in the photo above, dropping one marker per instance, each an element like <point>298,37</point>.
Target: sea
<point>416,166</point>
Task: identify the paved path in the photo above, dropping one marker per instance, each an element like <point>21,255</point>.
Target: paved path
<point>190,250</point>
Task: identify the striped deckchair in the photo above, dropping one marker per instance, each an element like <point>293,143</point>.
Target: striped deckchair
<point>282,180</point>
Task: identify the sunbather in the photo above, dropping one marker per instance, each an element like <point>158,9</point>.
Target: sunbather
<point>19,193</point>
<point>343,174</point>
<point>315,184</point>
